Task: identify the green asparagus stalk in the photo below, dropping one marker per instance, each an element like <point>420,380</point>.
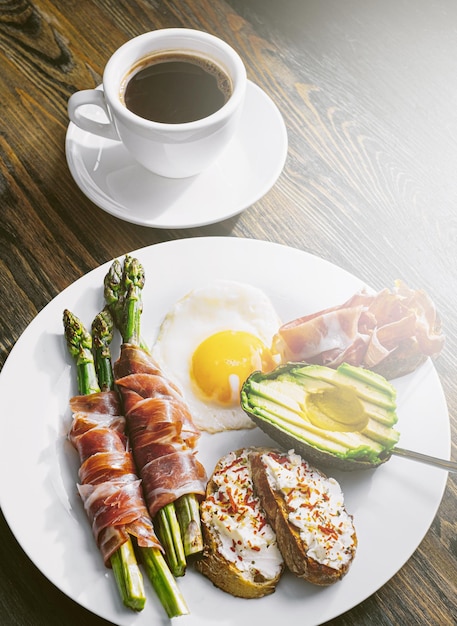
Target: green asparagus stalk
<point>188,514</point>
<point>178,524</point>
<point>168,531</point>
<point>128,576</point>
<point>112,292</point>
<point>154,563</point>
<point>119,287</point>
<point>102,335</point>
<point>163,582</point>
<point>123,562</point>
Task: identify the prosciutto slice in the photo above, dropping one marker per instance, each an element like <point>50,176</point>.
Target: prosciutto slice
<point>162,434</point>
<point>391,332</point>
<point>109,486</point>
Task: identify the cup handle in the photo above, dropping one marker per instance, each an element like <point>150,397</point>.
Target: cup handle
<point>94,97</point>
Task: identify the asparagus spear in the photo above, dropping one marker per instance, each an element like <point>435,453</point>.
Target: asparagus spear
<point>112,292</point>
<point>118,287</point>
<point>102,335</point>
<point>123,562</point>
<point>153,560</point>
<point>178,524</point>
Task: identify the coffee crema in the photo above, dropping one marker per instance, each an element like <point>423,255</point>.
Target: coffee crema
<point>175,88</point>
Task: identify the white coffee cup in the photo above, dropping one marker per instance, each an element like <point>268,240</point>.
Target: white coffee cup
<point>174,150</point>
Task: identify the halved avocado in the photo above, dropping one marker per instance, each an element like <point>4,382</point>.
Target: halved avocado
<point>341,418</point>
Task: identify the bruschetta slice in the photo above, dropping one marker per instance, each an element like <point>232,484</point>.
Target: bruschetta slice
<point>315,534</point>
<point>241,554</point>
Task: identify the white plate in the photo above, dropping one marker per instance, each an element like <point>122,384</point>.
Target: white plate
<point>245,171</point>
<point>393,506</point>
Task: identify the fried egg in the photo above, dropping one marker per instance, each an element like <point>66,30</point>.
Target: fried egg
<point>209,342</point>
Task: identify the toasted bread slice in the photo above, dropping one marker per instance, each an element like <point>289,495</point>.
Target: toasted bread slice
<point>315,534</point>
<point>241,555</point>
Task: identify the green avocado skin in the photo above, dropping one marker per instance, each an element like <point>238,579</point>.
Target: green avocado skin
<point>276,402</point>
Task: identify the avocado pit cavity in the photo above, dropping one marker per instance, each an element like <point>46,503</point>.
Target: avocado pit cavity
<point>336,408</point>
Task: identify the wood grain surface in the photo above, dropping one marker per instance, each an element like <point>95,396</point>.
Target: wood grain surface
<point>368,91</point>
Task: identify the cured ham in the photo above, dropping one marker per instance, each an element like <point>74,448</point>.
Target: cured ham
<point>162,434</point>
<point>109,486</point>
<point>391,332</point>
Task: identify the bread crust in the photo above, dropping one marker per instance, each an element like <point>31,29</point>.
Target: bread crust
<point>223,573</point>
<point>291,545</point>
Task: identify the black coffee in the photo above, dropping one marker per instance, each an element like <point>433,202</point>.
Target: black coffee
<point>175,88</point>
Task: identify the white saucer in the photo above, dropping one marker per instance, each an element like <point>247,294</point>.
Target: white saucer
<point>248,168</point>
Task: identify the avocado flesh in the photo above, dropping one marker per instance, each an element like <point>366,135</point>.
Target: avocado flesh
<point>342,418</point>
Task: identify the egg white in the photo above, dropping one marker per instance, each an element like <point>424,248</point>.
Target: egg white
<point>211,308</point>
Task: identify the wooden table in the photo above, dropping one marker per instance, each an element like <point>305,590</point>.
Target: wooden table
<point>368,91</point>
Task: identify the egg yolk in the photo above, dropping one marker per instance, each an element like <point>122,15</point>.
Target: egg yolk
<point>223,361</point>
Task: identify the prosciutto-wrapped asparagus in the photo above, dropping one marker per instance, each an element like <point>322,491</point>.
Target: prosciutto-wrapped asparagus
<point>109,486</point>
<point>161,431</point>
